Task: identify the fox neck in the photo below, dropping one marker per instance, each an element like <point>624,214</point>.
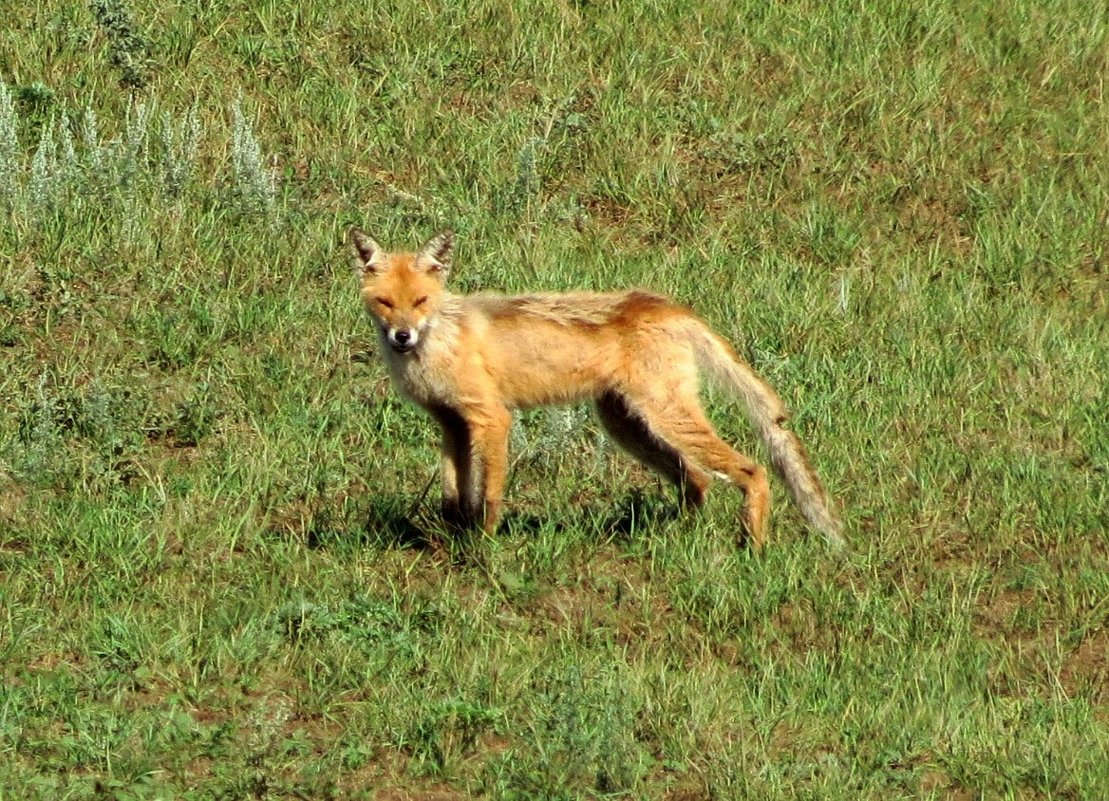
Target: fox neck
<point>424,374</point>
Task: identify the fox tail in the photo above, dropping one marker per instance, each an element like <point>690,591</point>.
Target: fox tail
<point>767,414</point>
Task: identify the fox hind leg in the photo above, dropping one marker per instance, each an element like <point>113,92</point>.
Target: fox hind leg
<point>632,434</point>
<point>678,421</point>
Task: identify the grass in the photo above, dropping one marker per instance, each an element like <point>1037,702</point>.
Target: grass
<point>214,514</point>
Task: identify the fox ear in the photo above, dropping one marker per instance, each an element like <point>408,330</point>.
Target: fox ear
<point>436,254</point>
<point>365,254</point>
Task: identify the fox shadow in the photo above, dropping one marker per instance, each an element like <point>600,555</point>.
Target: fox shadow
<point>619,519</point>
<point>398,522</point>
<point>389,522</point>
<point>394,522</point>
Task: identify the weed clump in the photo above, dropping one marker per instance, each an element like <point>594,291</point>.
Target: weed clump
<point>254,184</point>
<point>76,172</point>
<point>9,148</point>
<point>45,184</point>
<point>180,143</point>
<point>128,49</point>
<point>583,740</point>
<point>76,437</point>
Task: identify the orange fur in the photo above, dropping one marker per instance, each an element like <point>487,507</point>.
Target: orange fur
<point>471,360</point>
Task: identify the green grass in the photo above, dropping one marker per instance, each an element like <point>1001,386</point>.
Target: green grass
<point>214,512</point>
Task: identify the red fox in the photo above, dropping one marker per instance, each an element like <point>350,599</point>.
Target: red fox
<point>470,360</point>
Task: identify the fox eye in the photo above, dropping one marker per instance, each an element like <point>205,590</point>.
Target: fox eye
<point>420,301</point>
<point>388,304</point>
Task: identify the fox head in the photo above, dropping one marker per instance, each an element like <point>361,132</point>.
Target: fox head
<point>402,291</point>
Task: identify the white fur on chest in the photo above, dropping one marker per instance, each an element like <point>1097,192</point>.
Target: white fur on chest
<point>426,375</point>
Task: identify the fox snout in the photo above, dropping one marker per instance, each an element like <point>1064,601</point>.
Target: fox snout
<point>402,340</point>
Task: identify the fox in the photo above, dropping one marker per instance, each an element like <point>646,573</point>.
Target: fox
<point>471,360</point>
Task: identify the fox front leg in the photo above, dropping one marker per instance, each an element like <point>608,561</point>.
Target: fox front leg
<point>456,469</point>
<point>490,439</point>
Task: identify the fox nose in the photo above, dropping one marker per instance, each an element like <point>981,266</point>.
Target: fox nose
<point>402,340</point>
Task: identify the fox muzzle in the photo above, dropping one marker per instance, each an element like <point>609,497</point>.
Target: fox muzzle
<point>402,340</point>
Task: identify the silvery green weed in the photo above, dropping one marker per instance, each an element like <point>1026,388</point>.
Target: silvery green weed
<point>255,187</point>
<point>45,184</point>
<point>180,143</point>
<point>76,170</point>
<point>10,167</point>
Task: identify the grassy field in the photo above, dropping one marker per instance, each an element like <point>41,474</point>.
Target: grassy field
<point>221,573</point>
